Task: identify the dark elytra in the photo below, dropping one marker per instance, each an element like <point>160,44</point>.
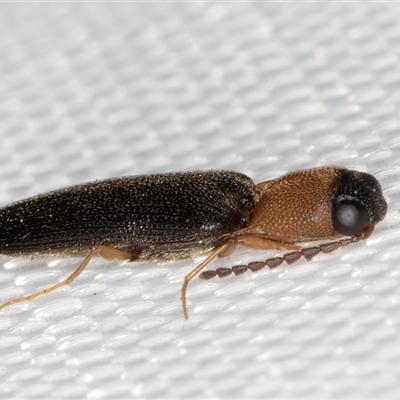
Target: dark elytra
<point>163,216</point>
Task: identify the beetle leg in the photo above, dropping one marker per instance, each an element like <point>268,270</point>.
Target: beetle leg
<point>258,242</point>
<point>106,252</point>
<point>230,248</point>
<point>112,254</point>
<point>218,251</point>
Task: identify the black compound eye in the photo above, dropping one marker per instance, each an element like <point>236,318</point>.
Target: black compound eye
<point>349,217</point>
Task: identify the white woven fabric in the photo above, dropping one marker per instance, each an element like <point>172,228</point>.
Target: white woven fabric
<point>90,91</point>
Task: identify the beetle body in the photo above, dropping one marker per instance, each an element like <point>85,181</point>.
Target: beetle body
<point>166,217</point>
<point>162,217</point>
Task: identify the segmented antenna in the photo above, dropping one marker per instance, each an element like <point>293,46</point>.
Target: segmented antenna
<point>308,253</point>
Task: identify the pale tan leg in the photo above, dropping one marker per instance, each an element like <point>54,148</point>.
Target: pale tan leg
<point>225,250</point>
<point>111,254</point>
<point>108,253</point>
<point>230,248</point>
<point>220,250</point>
<point>257,242</point>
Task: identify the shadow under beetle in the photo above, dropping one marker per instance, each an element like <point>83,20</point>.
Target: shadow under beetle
<point>166,217</point>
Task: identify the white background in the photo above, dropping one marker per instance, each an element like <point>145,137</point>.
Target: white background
<point>90,91</point>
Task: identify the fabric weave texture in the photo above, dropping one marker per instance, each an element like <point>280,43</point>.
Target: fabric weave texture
<point>97,90</point>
